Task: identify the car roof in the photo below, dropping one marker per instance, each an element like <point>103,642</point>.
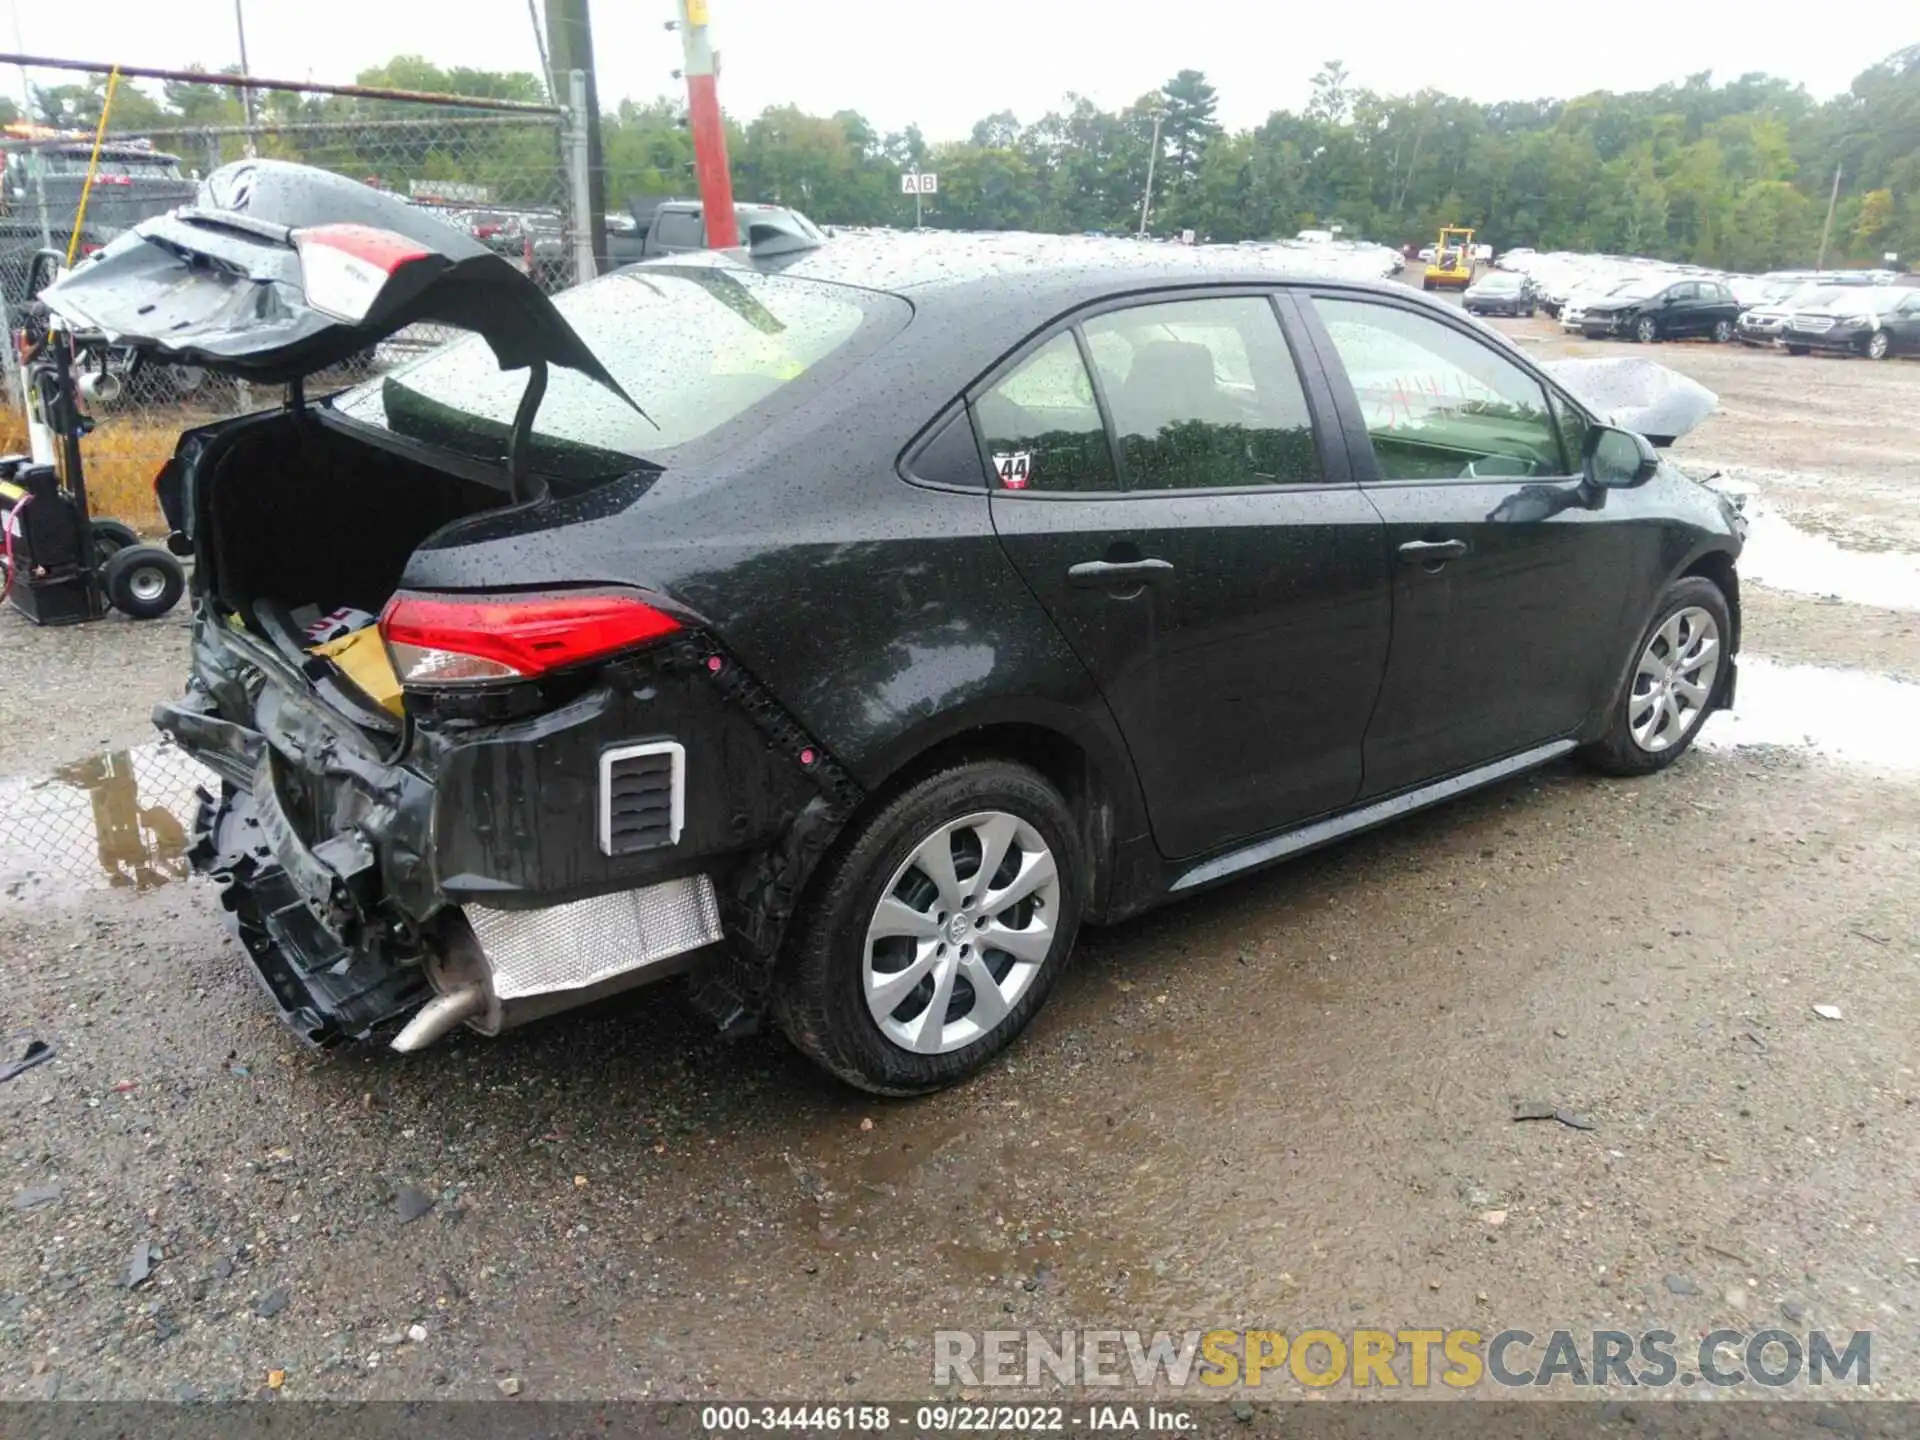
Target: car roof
<point>1041,275</point>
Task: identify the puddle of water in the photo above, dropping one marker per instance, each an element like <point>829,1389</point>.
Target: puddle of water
<point>1853,716</point>
<point>1782,556</point>
<point>116,821</point>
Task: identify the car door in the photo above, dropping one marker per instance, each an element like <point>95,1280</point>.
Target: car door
<point>1509,584</point>
<point>1167,483</point>
<point>1903,326</point>
<point>1680,310</point>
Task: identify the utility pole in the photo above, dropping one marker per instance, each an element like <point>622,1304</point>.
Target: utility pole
<point>709,132</point>
<point>247,101</point>
<point>1146,200</point>
<point>1826,231</point>
<point>570,48</point>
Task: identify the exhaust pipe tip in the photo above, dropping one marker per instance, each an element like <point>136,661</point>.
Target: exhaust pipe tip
<point>441,1014</point>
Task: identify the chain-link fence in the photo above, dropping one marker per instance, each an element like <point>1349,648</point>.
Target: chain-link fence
<point>506,173</point>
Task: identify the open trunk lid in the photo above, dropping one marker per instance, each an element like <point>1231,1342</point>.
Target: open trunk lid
<point>281,270</point>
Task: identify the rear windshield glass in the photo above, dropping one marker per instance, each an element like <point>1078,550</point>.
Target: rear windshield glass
<point>694,346</point>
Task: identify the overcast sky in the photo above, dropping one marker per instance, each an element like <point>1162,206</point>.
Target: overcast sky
<point>947,64</point>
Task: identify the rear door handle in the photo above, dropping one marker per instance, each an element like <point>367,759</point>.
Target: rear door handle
<point>1432,552</point>
<point>1098,574</point>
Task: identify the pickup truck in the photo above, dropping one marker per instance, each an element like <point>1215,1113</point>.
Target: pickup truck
<point>673,227</point>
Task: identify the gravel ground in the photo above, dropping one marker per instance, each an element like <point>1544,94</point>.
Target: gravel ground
<point>1288,1103</point>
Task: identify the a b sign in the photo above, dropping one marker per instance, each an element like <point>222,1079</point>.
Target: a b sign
<point>927,184</point>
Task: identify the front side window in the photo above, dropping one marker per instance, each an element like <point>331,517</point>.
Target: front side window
<point>1042,426</point>
<point>1204,394</point>
<point>1439,404</point>
<point>1573,427</point>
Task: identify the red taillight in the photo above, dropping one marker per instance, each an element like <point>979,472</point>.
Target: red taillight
<point>470,640</point>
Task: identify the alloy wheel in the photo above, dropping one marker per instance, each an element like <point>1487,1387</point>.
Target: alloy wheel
<point>1723,331</point>
<point>1878,345</point>
<point>1674,680</point>
<point>1646,331</point>
<point>960,932</point>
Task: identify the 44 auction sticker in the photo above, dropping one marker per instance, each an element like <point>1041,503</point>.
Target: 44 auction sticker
<point>1013,467</point>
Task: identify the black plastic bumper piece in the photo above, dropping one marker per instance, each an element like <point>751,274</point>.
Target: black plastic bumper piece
<point>324,988</point>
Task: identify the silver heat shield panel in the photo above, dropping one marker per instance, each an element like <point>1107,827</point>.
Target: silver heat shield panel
<point>568,947</point>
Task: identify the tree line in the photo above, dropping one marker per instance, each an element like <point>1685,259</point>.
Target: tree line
<point>1736,174</point>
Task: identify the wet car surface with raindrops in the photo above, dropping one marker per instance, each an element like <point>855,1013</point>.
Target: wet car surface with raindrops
<point>1287,1099</point>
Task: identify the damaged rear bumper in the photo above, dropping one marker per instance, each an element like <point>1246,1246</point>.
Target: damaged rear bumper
<point>465,881</point>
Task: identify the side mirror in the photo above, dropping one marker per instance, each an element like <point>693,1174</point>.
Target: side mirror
<point>1619,459</point>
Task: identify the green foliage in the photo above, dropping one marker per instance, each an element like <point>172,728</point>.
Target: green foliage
<point>1733,174</point>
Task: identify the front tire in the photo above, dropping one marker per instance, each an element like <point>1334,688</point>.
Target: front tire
<point>1646,330</point>
<point>936,932</point>
<point>1796,349</point>
<point>1679,665</point>
<point>1879,345</point>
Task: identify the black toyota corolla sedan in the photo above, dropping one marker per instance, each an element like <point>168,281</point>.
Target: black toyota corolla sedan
<point>847,625</point>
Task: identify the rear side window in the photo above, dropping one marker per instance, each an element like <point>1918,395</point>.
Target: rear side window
<point>1204,394</point>
<point>1042,426</point>
<point>1439,404</point>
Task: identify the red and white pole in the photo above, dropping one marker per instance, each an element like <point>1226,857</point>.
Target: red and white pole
<point>709,134</point>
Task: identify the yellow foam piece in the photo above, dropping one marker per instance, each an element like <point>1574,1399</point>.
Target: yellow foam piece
<point>362,657</point>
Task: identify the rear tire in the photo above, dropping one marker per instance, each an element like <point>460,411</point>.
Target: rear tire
<point>143,582</point>
<point>1676,671</point>
<point>110,537</point>
<point>881,912</point>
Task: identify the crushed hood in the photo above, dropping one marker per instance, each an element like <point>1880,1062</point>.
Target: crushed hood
<point>1637,395</point>
<point>279,270</point>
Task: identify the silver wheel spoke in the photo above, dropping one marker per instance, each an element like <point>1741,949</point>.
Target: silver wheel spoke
<point>885,992</point>
<point>1035,871</point>
<point>935,859</point>
<point>1692,692</point>
<point>996,834</point>
<point>928,1028</point>
<point>896,917</point>
<point>1030,944</point>
<point>1706,650</point>
<point>989,1002</point>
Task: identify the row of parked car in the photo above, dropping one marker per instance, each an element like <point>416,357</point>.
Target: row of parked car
<point>1875,313</point>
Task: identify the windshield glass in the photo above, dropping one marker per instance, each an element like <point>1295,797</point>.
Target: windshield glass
<point>1814,295</point>
<point>694,346</point>
<point>1869,300</point>
<point>1644,288</point>
<point>1499,282</point>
